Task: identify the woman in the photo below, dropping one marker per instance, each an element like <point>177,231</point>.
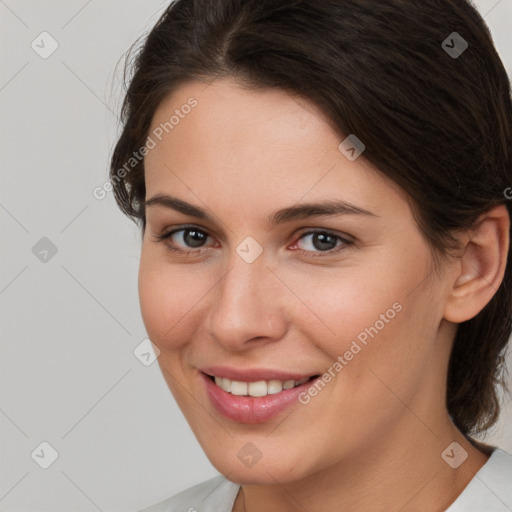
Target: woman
<point>325,267</point>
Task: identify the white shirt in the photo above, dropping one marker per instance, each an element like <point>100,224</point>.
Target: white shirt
<point>490,490</point>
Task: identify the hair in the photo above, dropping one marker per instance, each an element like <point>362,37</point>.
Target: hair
<point>438,125</point>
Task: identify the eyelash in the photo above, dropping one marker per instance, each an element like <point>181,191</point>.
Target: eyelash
<point>314,254</point>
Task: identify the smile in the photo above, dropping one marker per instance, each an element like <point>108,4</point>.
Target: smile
<point>258,399</point>
<point>258,388</point>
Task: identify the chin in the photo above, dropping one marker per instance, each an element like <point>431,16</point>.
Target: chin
<point>265,471</point>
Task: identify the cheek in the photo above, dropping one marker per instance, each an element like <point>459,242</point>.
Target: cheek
<point>346,305</point>
<point>384,360</point>
<point>167,296</point>
<point>381,319</point>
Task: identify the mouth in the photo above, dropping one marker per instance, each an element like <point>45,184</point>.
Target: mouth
<point>258,388</point>
<point>254,401</point>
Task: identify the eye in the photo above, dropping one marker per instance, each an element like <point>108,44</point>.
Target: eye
<point>190,239</point>
<point>187,239</point>
<point>322,242</point>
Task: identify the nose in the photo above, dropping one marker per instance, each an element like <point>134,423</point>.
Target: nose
<point>247,306</point>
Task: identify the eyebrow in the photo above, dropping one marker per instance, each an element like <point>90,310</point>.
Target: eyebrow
<point>302,211</point>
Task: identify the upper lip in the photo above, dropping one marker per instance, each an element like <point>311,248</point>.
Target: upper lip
<point>253,374</point>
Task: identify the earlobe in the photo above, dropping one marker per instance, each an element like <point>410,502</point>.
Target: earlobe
<point>481,267</point>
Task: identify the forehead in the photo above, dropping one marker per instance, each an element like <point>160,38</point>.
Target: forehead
<point>229,117</point>
<point>252,146</point>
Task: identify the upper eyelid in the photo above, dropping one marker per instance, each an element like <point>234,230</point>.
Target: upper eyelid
<point>303,231</point>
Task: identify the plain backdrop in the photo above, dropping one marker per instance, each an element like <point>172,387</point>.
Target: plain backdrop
<point>70,318</point>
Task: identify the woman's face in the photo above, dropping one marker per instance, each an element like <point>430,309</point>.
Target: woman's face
<point>349,295</point>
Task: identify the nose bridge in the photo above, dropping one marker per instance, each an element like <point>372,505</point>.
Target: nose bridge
<point>244,306</point>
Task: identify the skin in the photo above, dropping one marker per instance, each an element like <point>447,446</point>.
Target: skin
<point>373,437</point>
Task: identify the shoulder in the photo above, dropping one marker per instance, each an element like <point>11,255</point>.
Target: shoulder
<point>490,488</point>
<point>215,495</point>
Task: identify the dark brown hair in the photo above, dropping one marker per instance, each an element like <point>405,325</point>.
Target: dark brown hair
<point>437,124</point>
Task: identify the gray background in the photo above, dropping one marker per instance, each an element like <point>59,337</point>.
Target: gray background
<point>71,322</point>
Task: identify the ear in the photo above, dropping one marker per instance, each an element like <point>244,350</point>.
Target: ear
<point>481,268</point>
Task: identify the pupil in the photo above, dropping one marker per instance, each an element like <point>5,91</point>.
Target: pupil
<point>194,238</point>
<point>323,239</point>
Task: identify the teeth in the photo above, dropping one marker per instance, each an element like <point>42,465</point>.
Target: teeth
<point>226,385</point>
<point>288,384</point>
<point>274,386</point>
<point>238,388</point>
<point>259,388</point>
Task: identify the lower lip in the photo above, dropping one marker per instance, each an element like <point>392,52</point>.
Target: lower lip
<point>248,409</point>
